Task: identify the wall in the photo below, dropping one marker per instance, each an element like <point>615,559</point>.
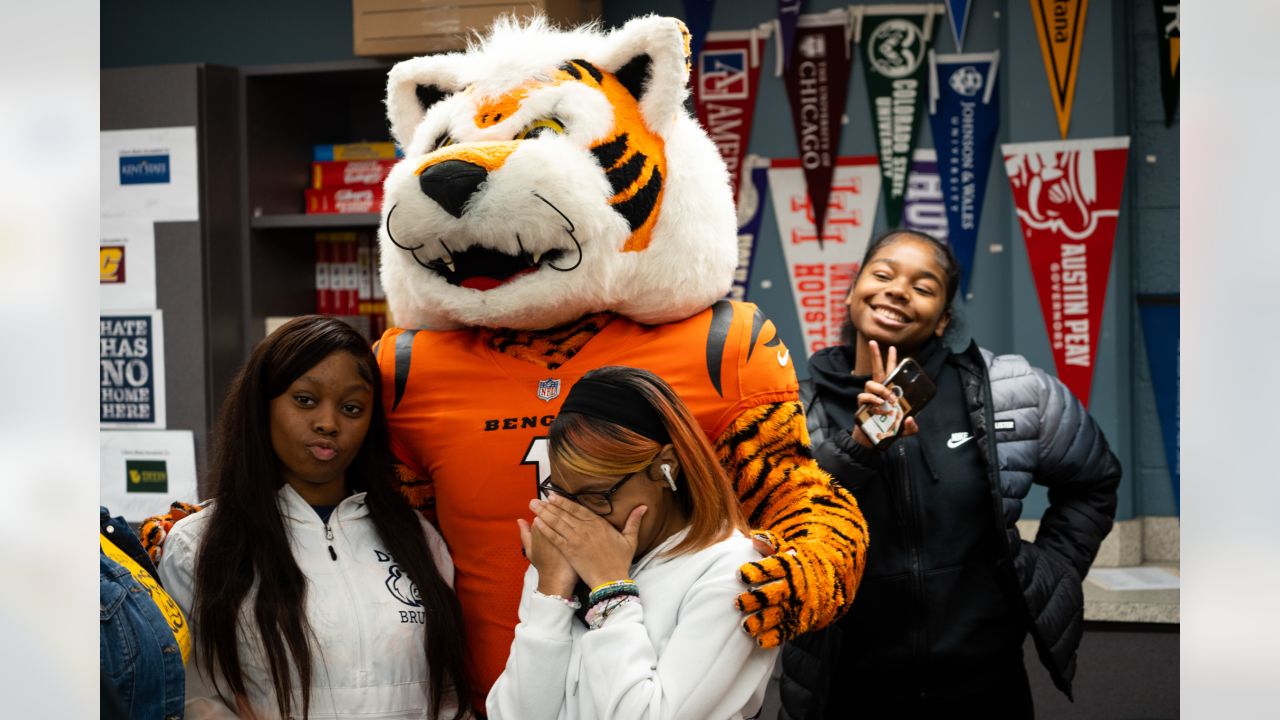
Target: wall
<point>1117,94</point>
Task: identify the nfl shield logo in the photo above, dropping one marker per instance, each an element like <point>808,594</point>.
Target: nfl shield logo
<point>548,390</point>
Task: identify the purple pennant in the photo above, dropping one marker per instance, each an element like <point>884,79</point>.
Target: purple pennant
<point>788,14</point>
<point>697,17</point>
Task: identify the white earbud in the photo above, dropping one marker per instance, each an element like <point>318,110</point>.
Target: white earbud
<point>666,473</point>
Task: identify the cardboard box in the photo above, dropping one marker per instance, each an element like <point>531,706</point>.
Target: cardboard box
<point>400,28</point>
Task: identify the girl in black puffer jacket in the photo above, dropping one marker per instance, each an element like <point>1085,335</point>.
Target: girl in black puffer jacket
<point>950,590</point>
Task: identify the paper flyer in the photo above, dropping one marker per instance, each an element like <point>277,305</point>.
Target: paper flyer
<point>143,472</point>
<point>127,264</point>
<point>152,173</point>
<point>131,373</point>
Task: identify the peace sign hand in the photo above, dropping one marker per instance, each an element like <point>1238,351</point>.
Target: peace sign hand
<point>876,394</point>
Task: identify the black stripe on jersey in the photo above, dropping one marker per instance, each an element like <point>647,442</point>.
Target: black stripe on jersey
<point>717,336</point>
<point>404,356</point>
<point>625,174</point>
<point>638,207</point>
<point>757,324</point>
<point>611,152</point>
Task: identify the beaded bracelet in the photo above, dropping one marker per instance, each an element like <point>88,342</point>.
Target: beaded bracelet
<point>601,611</point>
<point>571,602</point>
<point>623,581</point>
<point>613,589</point>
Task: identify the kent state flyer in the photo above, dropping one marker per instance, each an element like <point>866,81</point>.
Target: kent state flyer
<point>143,472</point>
<point>151,173</point>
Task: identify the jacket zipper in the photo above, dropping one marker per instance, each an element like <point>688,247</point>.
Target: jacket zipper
<point>913,540</point>
<point>328,535</point>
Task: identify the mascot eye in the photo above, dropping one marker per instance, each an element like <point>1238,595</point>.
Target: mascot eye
<point>538,128</point>
<point>443,141</point>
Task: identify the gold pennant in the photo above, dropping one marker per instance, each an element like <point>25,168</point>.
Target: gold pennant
<point>1060,27</point>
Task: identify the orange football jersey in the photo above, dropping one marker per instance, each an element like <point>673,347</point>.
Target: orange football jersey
<point>475,421</point>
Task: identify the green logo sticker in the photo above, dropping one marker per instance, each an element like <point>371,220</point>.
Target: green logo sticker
<point>146,476</point>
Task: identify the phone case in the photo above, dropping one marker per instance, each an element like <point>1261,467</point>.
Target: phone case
<point>914,389</point>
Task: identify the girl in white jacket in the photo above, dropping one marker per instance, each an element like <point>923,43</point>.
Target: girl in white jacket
<point>313,589</point>
<point>628,605</point>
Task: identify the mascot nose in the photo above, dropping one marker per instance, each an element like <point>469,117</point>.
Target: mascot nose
<point>452,183</point>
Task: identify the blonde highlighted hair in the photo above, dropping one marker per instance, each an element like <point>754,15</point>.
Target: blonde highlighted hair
<point>598,448</point>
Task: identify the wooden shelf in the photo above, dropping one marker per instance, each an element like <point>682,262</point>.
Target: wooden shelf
<point>318,220</point>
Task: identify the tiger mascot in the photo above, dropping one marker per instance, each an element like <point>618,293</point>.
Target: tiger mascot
<point>557,210</point>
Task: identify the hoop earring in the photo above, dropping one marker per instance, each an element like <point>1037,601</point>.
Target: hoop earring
<point>666,473</point>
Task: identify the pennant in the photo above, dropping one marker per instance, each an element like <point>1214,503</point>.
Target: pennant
<point>1160,328</point>
<point>724,93</point>
<point>925,207</point>
<point>895,42</point>
<point>958,14</point>
<point>1168,29</point>
<point>788,14</point>
<point>697,18</point>
<point>1060,27</point>
<point>964,113</point>
<point>821,272</point>
<point>817,85</point>
<point>754,184</point>
<point>1068,198</point>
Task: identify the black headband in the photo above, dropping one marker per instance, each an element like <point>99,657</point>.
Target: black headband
<point>618,404</point>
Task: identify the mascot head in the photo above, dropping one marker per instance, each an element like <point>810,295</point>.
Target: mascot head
<point>550,174</point>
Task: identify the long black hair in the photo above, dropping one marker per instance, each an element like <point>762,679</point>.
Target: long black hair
<point>246,540</point>
<point>942,252</point>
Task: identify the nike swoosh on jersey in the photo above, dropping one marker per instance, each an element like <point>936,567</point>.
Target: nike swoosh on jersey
<point>783,357</point>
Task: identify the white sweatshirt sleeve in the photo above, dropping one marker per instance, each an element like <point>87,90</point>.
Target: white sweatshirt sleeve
<point>177,575</point>
<point>532,686</point>
<point>709,668</point>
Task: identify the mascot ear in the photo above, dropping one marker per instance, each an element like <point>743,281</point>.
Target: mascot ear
<point>650,57</point>
<point>413,86</point>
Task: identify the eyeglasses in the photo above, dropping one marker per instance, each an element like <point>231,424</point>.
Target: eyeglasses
<point>598,502</point>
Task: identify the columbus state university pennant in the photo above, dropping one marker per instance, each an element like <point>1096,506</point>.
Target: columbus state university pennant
<point>1060,28</point>
<point>894,43</point>
<point>1068,195</point>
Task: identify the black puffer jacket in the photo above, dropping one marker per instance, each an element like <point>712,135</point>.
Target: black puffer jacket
<point>1031,429</point>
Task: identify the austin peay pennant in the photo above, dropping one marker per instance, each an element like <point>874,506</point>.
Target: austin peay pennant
<point>821,272</point>
<point>1169,37</point>
<point>964,113</point>
<point>817,81</point>
<point>1060,28</point>
<point>727,75</point>
<point>894,41</point>
<point>1068,194</point>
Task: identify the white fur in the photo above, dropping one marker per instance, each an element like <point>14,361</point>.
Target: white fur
<point>690,261</point>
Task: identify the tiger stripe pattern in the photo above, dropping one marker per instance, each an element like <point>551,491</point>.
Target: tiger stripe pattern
<point>782,490</point>
<point>548,348</point>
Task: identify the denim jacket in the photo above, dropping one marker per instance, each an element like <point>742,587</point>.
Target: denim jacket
<point>138,653</point>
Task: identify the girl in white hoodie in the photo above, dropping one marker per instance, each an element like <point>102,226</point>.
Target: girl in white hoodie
<point>628,605</point>
<point>312,588</point>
